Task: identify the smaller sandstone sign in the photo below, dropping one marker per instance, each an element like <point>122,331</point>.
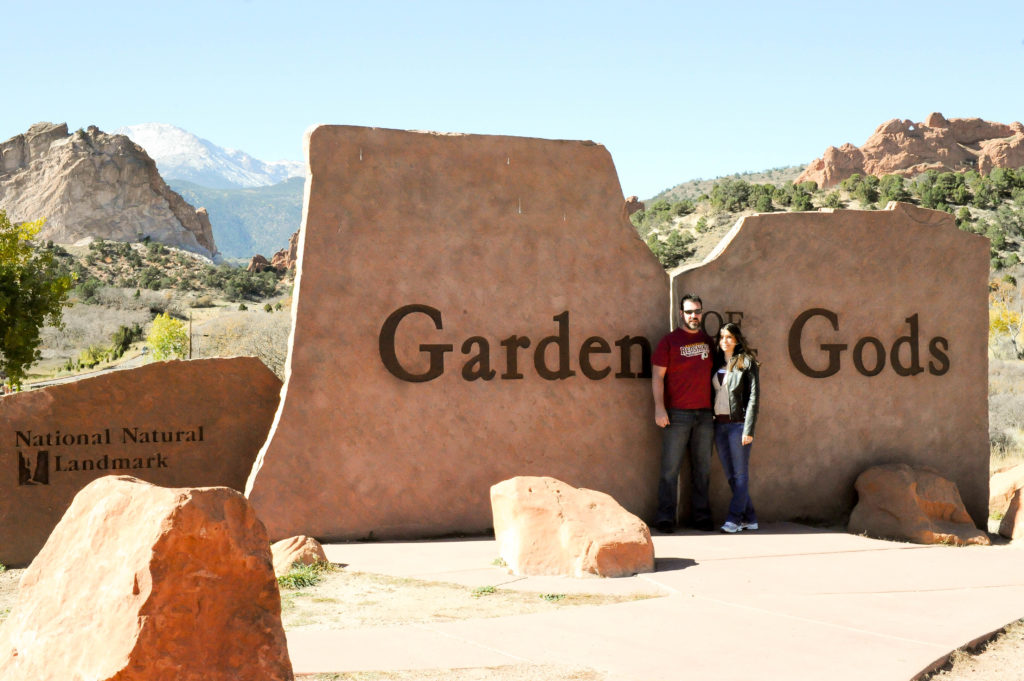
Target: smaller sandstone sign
<point>144,583</point>
<point>177,424</point>
<point>871,328</point>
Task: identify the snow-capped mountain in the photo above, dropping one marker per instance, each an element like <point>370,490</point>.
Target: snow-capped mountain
<point>180,155</point>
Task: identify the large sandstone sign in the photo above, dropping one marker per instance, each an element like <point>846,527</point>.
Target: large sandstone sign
<point>469,309</point>
<point>872,331</point>
<point>175,424</point>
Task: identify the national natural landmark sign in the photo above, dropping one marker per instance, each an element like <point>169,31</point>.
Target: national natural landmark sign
<point>468,308</point>
<point>175,424</point>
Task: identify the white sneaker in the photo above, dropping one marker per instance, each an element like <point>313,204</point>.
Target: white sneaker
<point>748,526</point>
<point>730,527</point>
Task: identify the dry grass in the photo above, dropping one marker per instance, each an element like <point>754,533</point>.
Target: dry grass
<point>350,600</point>
<point>253,332</point>
<point>1006,413</point>
<point>1000,659</point>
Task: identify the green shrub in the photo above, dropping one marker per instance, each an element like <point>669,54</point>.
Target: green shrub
<point>301,576</point>
<point>834,200</point>
<point>123,338</point>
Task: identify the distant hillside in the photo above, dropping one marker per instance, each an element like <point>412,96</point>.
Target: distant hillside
<point>249,221</point>
<point>694,188</point>
<point>685,231</point>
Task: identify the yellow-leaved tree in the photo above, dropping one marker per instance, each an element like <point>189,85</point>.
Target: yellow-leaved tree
<point>1005,317</point>
<point>168,338</point>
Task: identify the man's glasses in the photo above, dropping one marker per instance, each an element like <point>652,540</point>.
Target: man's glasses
<point>692,312</point>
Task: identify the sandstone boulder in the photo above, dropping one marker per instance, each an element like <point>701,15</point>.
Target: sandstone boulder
<point>897,501</point>
<point>146,583</point>
<point>1003,485</point>
<point>300,549</point>
<point>545,527</point>
<point>1012,524</point>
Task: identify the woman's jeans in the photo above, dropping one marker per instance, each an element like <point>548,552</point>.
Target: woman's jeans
<point>735,458</point>
<point>693,429</point>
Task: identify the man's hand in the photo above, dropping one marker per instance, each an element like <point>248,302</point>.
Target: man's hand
<point>661,417</point>
<point>747,439</point>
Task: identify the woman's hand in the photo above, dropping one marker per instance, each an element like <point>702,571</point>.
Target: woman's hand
<point>747,439</point>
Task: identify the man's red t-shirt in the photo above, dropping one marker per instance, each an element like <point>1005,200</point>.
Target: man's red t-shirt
<point>687,358</point>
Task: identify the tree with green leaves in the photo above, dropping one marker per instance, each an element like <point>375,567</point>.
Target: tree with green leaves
<point>168,338</point>
<point>33,292</point>
<point>892,188</point>
<point>673,250</point>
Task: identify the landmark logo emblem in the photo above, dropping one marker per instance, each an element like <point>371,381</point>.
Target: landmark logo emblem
<point>34,470</point>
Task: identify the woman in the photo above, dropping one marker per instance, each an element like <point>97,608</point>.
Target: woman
<point>736,395</point>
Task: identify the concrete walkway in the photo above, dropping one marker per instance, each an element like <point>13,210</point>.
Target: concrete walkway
<point>787,602</point>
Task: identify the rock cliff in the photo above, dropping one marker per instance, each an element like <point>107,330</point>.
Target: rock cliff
<point>93,184</point>
<point>902,147</point>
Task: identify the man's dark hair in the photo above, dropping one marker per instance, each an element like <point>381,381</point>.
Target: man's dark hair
<point>691,296</point>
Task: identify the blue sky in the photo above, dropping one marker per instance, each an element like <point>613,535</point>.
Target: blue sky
<point>675,90</point>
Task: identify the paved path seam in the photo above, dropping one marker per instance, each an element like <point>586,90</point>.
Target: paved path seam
<point>813,620</point>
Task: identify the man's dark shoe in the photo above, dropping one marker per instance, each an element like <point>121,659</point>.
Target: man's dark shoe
<point>665,526</point>
<point>704,526</point>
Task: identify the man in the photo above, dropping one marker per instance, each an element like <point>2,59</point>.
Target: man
<point>681,382</point>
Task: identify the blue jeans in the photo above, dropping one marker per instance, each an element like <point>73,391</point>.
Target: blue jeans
<point>735,458</point>
<point>693,428</point>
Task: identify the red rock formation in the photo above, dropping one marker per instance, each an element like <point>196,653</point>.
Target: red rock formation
<point>897,501</point>
<point>902,147</point>
<point>633,204</point>
<point>146,583</point>
<point>284,259</point>
<point>258,264</point>
<point>546,527</point>
<point>300,549</point>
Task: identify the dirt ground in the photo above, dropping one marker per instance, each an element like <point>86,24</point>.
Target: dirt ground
<point>345,599</point>
<point>1000,659</point>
